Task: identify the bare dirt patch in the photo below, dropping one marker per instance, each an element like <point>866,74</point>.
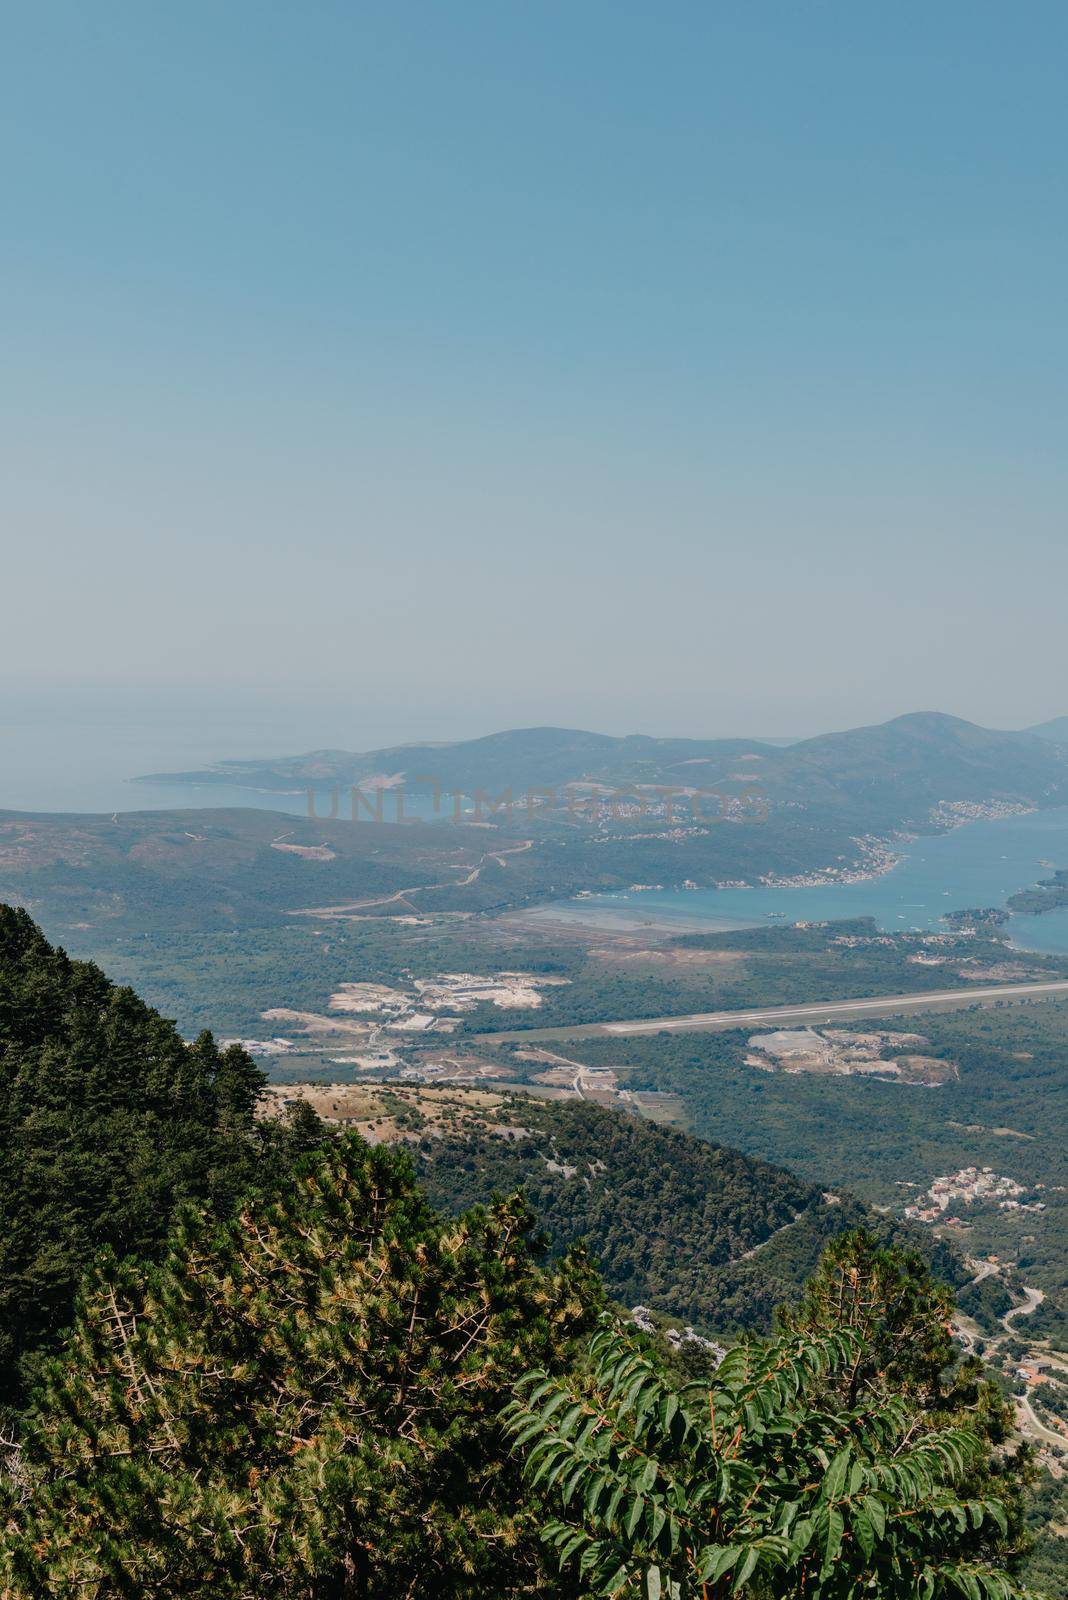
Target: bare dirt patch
<point>838,1052</point>
<point>24,846</point>
<point>306,852</point>
<point>388,1114</point>
<point>666,958</point>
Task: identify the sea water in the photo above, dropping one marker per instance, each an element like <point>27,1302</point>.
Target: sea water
<point>976,864</point>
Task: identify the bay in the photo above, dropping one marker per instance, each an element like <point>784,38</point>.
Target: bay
<point>976,864</point>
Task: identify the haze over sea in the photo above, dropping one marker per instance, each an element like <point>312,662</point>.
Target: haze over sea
<point>78,751</point>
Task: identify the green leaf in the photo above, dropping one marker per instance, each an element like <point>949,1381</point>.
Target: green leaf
<point>877,1512</point>
<point>996,1511</point>
<point>716,1560</point>
<point>570,1417</point>
<point>613,1506</point>
<point>747,1566</point>
<point>833,1539</point>
<point>594,1490</point>
<point>801,1534</point>
<point>571,1484</point>
<point>835,1478</point>
<point>860,1523</point>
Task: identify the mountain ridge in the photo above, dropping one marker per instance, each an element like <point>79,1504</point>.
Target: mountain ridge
<point>885,775</point>
<point>1056,729</point>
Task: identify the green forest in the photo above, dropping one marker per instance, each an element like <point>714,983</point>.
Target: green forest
<point>246,1359</point>
<point>691,1229</point>
<point>1008,1110</point>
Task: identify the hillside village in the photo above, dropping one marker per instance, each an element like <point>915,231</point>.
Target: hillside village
<point>972,1186</point>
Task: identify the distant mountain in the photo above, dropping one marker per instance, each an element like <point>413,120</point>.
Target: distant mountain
<point>1056,729</point>
<point>886,776</point>
<point>799,810</point>
<point>895,772</point>
<point>520,757</point>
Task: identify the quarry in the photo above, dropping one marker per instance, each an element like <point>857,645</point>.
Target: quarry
<point>893,1057</point>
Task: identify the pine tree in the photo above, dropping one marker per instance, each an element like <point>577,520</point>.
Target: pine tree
<point>306,1402</point>
<point>886,1296</point>
<point>108,1121</point>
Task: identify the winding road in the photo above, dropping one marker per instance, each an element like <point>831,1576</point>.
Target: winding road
<point>401,896</point>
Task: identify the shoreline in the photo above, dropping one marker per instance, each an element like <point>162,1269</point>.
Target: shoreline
<point>580,912</point>
<point>882,859</point>
<point>624,912</point>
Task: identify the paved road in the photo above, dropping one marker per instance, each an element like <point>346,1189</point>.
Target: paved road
<point>1031,1427</point>
<point>826,1011</point>
<point>1030,1303</point>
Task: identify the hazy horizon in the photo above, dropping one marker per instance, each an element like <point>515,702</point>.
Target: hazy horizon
<point>456,370</point>
<point>78,749</point>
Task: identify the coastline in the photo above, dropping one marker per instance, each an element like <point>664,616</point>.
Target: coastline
<point>837,894</point>
<point>881,859</point>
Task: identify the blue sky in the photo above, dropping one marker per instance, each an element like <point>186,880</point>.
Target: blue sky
<point>684,368</point>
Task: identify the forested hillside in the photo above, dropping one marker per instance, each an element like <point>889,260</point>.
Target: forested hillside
<point>694,1230</point>
<point>109,1120</point>
<point>287,1375</point>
